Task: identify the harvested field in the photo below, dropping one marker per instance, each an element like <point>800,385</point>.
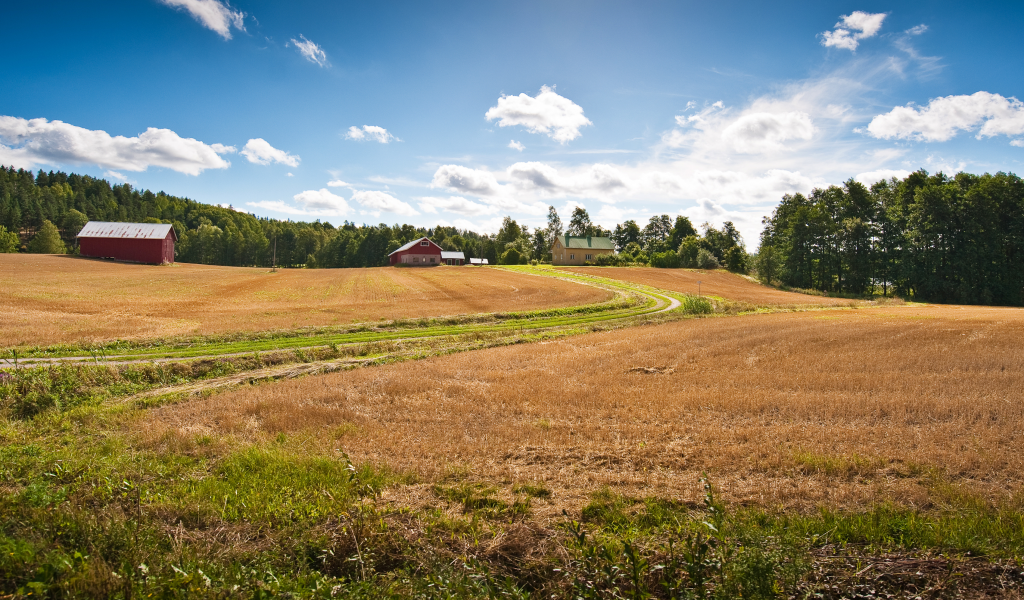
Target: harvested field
<point>56,299</point>
<point>842,408</point>
<point>713,283</point>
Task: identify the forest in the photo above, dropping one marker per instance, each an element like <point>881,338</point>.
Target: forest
<point>927,237</point>
<point>216,235</point>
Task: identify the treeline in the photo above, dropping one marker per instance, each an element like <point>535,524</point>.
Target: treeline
<point>206,234</point>
<point>928,237</point>
<point>43,212</point>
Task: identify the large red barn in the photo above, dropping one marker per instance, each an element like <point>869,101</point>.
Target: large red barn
<point>419,253</point>
<point>133,242</point>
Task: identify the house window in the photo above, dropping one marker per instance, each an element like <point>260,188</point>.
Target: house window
<point>415,259</point>
<point>572,257</point>
<point>431,259</point>
<point>424,243</point>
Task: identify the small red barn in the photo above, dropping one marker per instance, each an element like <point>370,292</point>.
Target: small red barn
<point>133,242</point>
<point>419,253</point>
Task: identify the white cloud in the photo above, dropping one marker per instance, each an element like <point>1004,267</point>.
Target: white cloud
<point>549,113</point>
<point>872,177</point>
<point>455,204</point>
<point>516,146</point>
<point>315,203</point>
<point>853,28</point>
<point>1017,143</point>
<point>116,175</point>
<point>38,141</point>
<point>311,51</point>
<point>287,209</point>
<point>917,29</point>
<point>214,15</point>
<point>944,117</point>
<point>259,151</point>
<point>290,174</point>
<point>383,202</point>
<point>370,133</point>
<point>765,132</point>
<point>337,183</point>
<point>466,180</point>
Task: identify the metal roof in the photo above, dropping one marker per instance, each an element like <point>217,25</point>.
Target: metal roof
<point>445,255</point>
<point>131,231</point>
<point>478,261</point>
<point>598,243</point>
<point>413,243</point>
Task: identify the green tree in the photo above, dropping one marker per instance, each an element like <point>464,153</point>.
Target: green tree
<point>688,249</point>
<point>9,242</point>
<point>654,238</point>
<point>579,224</point>
<point>47,240</point>
<point>681,230</point>
<point>626,234</point>
<point>706,260</point>
<point>73,222</point>
<point>554,229</point>
<point>510,231</point>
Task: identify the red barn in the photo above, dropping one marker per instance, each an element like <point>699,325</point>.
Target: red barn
<point>133,242</point>
<point>420,253</point>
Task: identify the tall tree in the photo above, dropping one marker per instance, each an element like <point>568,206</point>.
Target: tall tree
<point>554,229</point>
<point>579,224</point>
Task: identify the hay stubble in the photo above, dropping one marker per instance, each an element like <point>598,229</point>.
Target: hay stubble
<point>837,408</point>
<point>57,299</point>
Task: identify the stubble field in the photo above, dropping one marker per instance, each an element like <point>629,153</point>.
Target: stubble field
<point>53,299</point>
<point>719,283</point>
<point>843,409</point>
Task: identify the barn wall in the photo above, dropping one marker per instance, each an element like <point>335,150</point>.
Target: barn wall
<point>143,251</point>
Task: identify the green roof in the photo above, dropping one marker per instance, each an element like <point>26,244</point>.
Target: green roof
<point>598,243</point>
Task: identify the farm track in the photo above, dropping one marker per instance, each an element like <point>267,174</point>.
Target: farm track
<point>653,301</point>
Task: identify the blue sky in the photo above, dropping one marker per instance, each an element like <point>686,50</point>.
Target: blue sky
<point>462,113</point>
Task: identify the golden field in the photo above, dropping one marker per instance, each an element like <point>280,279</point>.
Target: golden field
<point>842,408</point>
<point>712,283</point>
<point>58,299</point>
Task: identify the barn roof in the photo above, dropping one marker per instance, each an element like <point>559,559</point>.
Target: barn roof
<point>599,243</point>
<point>413,243</point>
<point>445,255</point>
<point>131,231</point>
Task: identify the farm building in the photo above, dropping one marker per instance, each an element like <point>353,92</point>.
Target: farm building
<point>420,253</point>
<point>133,242</point>
<point>577,250</point>
<point>456,259</point>
<point>478,261</point>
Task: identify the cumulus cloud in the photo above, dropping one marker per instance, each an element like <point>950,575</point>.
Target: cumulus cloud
<point>1017,143</point>
<point>853,28</point>
<point>765,132</point>
<point>944,117</point>
<point>259,151</point>
<point>383,202</point>
<point>310,203</point>
<point>548,113</point>
<point>455,204</point>
<point>516,146</point>
<point>115,175</point>
<point>337,183</point>
<point>214,15</point>
<point>38,141</point>
<point>369,133</point>
<point>872,177</point>
<point>466,180</point>
<point>311,51</point>
<point>322,201</point>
